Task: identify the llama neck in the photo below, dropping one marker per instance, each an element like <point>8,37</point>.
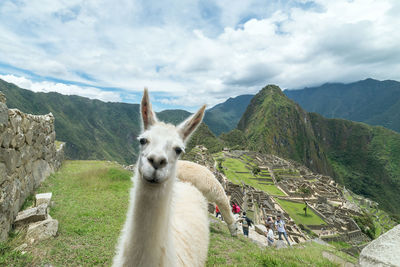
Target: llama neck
<point>150,237</point>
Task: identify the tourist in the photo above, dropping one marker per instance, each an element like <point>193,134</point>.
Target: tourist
<point>235,208</point>
<point>270,222</point>
<point>217,211</point>
<point>280,227</point>
<point>270,235</point>
<point>246,223</point>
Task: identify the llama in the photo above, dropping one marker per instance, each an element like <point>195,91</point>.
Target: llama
<point>167,221</point>
<point>204,180</point>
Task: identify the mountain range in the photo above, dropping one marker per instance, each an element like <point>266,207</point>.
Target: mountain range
<point>371,101</point>
<point>92,129</point>
<point>364,158</point>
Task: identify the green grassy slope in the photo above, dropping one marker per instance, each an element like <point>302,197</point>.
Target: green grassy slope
<point>296,211</point>
<point>237,172</point>
<point>91,199</point>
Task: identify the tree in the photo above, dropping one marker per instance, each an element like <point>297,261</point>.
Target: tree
<point>256,170</point>
<point>304,191</point>
<point>305,209</point>
<point>220,160</point>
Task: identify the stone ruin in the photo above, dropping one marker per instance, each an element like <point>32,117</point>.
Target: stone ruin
<point>258,204</point>
<point>37,221</point>
<point>325,199</point>
<point>28,154</point>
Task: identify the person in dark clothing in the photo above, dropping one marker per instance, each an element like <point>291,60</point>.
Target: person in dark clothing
<point>246,223</point>
<point>217,211</point>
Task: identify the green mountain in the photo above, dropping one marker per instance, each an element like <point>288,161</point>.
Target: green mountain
<point>370,101</point>
<point>364,158</point>
<point>272,123</point>
<point>174,116</point>
<point>92,129</point>
<point>225,116</point>
<point>203,136</point>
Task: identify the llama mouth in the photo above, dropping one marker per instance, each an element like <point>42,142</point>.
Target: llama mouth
<point>152,180</point>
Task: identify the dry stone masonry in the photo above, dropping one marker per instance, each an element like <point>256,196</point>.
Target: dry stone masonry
<point>326,198</point>
<point>28,154</point>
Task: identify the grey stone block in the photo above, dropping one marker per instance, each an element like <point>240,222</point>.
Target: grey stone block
<point>42,230</point>
<point>31,215</point>
<point>383,251</point>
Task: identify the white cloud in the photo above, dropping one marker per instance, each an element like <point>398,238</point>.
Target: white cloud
<point>65,89</point>
<point>199,51</point>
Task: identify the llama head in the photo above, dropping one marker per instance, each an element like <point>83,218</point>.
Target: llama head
<point>161,144</point>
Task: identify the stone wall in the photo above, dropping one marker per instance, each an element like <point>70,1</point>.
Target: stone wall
<point>28,154</point>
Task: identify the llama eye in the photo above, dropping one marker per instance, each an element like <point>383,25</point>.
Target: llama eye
<point>143,141</point>
<point>178,150</point>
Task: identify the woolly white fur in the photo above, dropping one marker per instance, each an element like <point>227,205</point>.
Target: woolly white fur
<point>167,223</point>
<point>204,180</point>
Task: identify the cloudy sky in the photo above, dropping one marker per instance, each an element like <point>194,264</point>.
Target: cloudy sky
<point>194,52</point>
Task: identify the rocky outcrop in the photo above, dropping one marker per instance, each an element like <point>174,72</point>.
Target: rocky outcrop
<point>28,154</point>
<point>383,251</point>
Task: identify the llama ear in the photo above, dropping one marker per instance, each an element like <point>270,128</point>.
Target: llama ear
<point>187,127</point>
<point>148,116</point>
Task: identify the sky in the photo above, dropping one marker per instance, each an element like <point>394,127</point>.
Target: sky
<point>190,53</point>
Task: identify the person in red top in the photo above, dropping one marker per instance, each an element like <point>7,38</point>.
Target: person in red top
<point>237,208</point>
<point>217,211</point>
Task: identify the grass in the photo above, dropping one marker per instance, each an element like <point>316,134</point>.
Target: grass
<point>237,173</point>
<point>295,210</point>
<point>225,250</point>
<point>272,190</point>
<point>340,244</point>
<point>91,199</point>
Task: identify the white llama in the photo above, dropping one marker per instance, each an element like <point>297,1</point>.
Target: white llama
<point>204,180</point>
<point>167,223</point>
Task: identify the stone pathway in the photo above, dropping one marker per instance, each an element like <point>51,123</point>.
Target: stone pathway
<point>253,235</point>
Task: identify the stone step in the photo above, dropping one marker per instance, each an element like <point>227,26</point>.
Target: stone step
<point>31,215</point>
<point>43,198</point>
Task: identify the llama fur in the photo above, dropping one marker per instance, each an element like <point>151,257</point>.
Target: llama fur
<point>167,220</point>
<point>204,180</point>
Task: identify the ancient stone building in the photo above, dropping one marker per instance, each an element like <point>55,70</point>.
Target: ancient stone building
<point>28,154</point>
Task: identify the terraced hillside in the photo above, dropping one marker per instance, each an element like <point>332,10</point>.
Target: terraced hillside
<point>266,185</point>
<point>243,169</point>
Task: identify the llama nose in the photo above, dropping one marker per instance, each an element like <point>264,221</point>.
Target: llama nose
<point>157,162</point>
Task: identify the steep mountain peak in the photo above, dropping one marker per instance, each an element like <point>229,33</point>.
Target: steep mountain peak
<point>272,123</point>
<point>271,89</point>
<point>268,100</point>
